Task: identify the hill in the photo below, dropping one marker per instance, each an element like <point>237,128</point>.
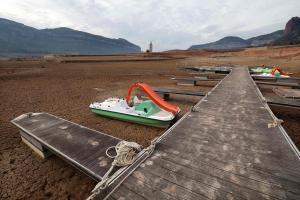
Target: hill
<point>19,38</point>
<point>290,35</point>
<point>224,43</point>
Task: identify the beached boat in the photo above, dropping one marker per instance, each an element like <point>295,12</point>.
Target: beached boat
<point>269,72</point>
<point>146,107</point>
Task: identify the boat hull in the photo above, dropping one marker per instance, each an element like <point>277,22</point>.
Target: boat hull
<point>132,118</point>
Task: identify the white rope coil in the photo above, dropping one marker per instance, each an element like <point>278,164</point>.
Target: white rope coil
<point>125,155</point>
<point>276,122</point>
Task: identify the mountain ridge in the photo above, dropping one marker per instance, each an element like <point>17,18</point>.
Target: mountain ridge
<point>16,37</point>
<point>290,35</point>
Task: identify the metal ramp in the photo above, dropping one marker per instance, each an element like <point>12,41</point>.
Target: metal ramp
<point>81,147</point>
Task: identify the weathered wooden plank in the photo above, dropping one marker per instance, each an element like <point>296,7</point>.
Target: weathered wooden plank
<point>38,122</point>
<point>126,193</point>
<point>283,101</point>
<point>136,182</point>
<point>278,79</point>
<point>292,85</point>
<point>81,147</point>
<point>164,186</point>
<point>88,150</point>
<point>208,74</point>
<point>228,138</point>
<point>211,191</point>
<point>287,93</point>
<point>244,170</point>
<point>194,79</point>
<point>178,91</point>
<point>233,155</point>
<point>231,144</point>
<point>213,182</point>
<point>221,168</point>
<point>224,70</point>
<point>110,198</point>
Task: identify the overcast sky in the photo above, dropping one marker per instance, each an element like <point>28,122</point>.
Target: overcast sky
<point>170,24</point>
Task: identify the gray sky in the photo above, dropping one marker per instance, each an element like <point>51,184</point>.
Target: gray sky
<point>170,24</point>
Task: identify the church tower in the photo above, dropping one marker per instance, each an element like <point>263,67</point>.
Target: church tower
<point>150,47</point>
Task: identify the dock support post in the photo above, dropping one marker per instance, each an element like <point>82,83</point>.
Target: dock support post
<point>166,96</point>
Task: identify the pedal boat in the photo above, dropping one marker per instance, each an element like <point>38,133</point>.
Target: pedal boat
<point>151,112</point>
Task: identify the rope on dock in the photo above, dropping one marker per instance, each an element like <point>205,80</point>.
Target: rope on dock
<point>275,123</point>
<point>125,155</point>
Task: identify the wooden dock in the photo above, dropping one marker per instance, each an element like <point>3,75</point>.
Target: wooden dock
<point>79,146</point>
<point>291,85</point>
<point>217,69</point>
<point>193,80</point>
<point>277,79</point>
<point>166,92</point>
<point>228,147</point>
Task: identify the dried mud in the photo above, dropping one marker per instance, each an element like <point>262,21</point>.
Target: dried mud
<point>66,90</point>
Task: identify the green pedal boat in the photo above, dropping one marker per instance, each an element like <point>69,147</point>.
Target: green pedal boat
<point>152,112</point>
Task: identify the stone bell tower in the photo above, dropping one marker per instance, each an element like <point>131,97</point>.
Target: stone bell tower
<point>150,47</point>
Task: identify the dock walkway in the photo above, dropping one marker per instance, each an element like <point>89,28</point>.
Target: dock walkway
<point>226,148</point>
<point>166,92</point>
<point>79,146</point>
